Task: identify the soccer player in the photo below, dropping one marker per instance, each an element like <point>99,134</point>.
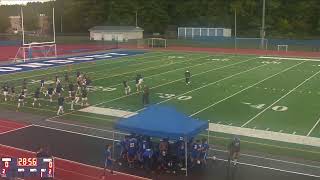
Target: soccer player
<point>234,150</point>
<point>108,163</point>
<point>36,97</point>
<point>71,88</point>
<point>60,104</point>
<point>20,100</point>
<point>138,77</point>
<point>41,85</point>
<point>187,75</point>
<point>57,80</point>
<point>5,90</point>
<point>59,89</point>
<point>50,92</point>
<point>147,156</point>
<point>204,151</point>
<point>145,95</point>
<point>195,153</point>
<point>132,151</point>
<point>127,89</point>
<point>74,99</point>
<point>84,97</point>
<point>24,87</point>
<point>140,84</point>
<point>13,93</point>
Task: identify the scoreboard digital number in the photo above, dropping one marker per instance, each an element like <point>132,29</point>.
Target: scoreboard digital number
<point>26,167</point>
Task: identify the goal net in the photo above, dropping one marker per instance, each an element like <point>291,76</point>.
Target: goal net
<point>35,51</point>
<point>283,47</point>
<point>157,42</point>
<point>38,34</point>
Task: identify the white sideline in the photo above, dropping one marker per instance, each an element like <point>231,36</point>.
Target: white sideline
<point>288,58</point>
<point>262,134</point>
<point>315,125</point>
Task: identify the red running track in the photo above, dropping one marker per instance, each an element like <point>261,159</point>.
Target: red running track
<point>69,170</point>
<point>8,126</point>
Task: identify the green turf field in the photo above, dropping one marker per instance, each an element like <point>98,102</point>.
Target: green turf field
<point>265,95</point>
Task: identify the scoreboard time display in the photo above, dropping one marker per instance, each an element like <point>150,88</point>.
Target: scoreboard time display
<point>26,167</point>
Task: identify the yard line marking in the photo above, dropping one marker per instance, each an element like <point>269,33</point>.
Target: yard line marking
<point>270,168</point>
<point>170,82</point>
<point>245,89</point>
<point>280,98</point>
<point>314,127</point>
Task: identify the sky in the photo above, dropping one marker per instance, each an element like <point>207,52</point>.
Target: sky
<point>11,2</point>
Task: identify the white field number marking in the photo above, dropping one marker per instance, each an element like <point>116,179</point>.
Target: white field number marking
<point>261,106</point>
<point>101,88</point>
<point>38,82</point>
<point>270,62</point>
<point>169,96</point>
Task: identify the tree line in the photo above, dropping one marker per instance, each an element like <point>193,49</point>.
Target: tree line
<point>284,18</point>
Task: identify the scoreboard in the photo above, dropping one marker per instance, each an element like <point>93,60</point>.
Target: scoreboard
<point>26,167</point>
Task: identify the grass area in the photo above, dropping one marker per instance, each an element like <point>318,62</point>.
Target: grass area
<point>240,91</point>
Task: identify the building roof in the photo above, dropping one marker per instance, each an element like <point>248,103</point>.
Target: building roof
<point>115,28</point>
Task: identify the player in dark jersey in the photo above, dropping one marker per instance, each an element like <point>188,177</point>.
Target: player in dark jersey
<point>24,87</point>
<point>127,89</point>
<point>187,75</point>
<point>60,104</point>
<point>20,100</point>
<point>41,84</point>
<point>78,74</point>
<point>234,150</point>
<point>36,97</point>
<point>13,93</point>
<point>5,89</point>
<point>50,92</point>
<point>71,88</point>
<point>145,95</point>
<point>59,89</point>
<point>84,97</point>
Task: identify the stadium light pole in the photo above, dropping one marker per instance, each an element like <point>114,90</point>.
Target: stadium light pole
<point>235,28</point>
<point>263,33</point>
<point>136,18</point>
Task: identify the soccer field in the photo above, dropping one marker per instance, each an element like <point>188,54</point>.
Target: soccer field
<point>271,98</point>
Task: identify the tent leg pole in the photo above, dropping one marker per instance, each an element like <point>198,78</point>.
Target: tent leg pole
<point>209,133</point>
<point>186,154</point>
<point>113,143</point>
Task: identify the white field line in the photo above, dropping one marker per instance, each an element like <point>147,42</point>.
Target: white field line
<point>15,129</point>
<point>111,62</point>
<point>73,162</point>
<point>197,112</point>
<point>270,168</point>
<point>212,83</point>
<point>314,127</point>
<point>280,99</point>
<point>170,82</point>
<point>270,159</point>
<point>288,58</point>
<point>269,135</point>
<point>293,172</point>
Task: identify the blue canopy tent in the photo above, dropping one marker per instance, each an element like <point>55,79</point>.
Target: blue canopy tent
<point>163,122</point>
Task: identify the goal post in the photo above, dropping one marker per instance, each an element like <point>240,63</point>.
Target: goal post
<point>283,47</point>
<point>157,42</point>
<point>38,43</point>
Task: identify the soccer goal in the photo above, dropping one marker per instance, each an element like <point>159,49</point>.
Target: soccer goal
<point>38,38</point>
<point>157,42</point>
<point>283,47</point>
